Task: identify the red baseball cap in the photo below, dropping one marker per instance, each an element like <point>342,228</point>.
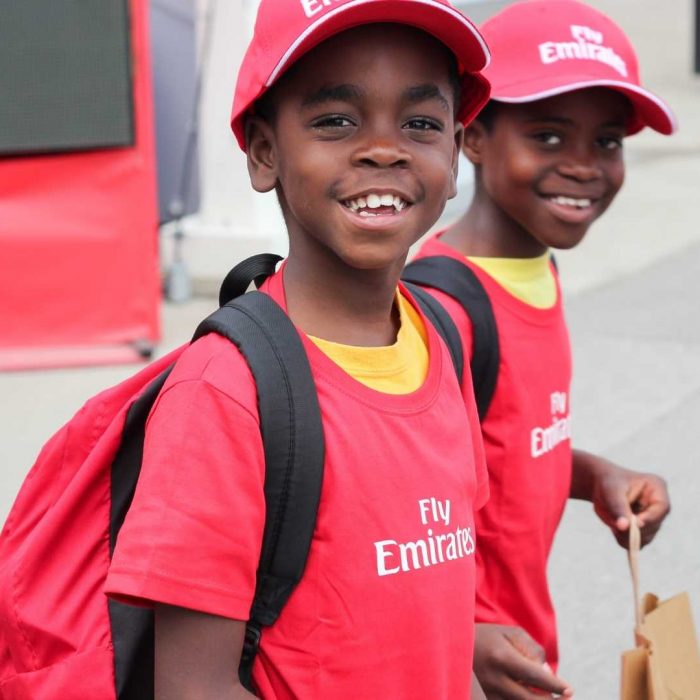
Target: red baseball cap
<point>287,29</point>
<point>543,48</point>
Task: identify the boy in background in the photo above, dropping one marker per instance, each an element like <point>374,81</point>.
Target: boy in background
<point>548,160</point>
<point>353,112</point>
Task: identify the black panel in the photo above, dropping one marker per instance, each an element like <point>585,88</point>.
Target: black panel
<point>65,75</point>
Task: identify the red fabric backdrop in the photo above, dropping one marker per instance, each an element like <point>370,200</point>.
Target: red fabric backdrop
<point>79,279</point>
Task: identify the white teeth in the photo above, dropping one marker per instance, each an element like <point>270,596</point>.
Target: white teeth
<point>374,201</point>
<point>367,213</point>
<point>571,202</point>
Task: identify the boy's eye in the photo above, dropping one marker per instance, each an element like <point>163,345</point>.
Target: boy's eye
<point>610,143</point>
<point>332,121</point>
<point>423,124</point>
<point>548,138</point>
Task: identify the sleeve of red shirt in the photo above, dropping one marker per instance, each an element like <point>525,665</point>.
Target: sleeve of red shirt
<point>464,326</point>
<point>192,536</point>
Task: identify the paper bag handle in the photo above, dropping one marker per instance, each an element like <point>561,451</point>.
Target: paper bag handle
<point>633,557</point>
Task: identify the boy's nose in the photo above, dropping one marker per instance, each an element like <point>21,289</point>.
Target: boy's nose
<point>580,171</point>
<point>582,166</point>
<point>381,150</point>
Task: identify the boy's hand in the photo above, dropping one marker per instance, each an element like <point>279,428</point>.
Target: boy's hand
<point>477,690</point>
<point>618,494</point>
<point>510,665</point>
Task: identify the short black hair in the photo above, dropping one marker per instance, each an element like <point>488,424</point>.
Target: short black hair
<point>487,116</point>
<point>455,82</point>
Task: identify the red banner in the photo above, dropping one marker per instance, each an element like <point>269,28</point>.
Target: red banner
<point>79,280</point>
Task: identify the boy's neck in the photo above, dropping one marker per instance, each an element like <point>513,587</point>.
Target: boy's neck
<point>328,299</point>
<point>485,230</point>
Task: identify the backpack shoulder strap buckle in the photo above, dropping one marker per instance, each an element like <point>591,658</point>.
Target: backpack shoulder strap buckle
<point>251,644</point>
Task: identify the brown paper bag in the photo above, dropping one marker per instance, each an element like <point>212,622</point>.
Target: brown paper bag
<point>665,665</point>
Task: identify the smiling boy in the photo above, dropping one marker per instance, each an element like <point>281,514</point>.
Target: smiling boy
<point>352,111</point>
<point>548,161</point>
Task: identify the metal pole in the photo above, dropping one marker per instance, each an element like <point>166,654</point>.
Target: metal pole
<point>697,36</point>
<point>178,284</point>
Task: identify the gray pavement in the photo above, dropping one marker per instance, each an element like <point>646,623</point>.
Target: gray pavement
<point>636,399</point>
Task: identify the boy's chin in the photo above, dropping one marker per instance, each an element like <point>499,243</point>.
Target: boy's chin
<point>375,260</point>
<point>376,252</point>
<point>565,240</point>
<point>559,235</point>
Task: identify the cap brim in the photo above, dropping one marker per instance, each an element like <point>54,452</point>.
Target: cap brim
<point>446,24</point>
<point>649,109</point>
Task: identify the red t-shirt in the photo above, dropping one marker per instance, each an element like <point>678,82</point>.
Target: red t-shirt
<point>386,605</point>
<point>528,452</point>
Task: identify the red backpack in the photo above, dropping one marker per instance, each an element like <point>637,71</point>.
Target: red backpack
<point>60,637</point>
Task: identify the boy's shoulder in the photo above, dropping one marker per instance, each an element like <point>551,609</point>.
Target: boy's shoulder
<point>432,247</point>
<point>216,362</point>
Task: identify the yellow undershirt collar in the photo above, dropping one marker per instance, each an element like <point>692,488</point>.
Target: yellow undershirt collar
<point>400,368</point>
<point>529,279</point>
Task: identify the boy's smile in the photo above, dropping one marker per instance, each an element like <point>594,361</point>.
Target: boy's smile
<point>373,204</point>
<point>363,144</point>
<point>550,168</point>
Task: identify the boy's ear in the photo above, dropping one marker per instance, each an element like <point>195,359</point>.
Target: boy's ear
<point>474,136</point>
<point>459,139</point>
<point>261,154</point>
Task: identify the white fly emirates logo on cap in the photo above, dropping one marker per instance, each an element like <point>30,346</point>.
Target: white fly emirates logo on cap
<point>313,7</point>
<point>587,46</point>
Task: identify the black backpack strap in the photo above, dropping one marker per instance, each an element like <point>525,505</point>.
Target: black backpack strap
<point>292,432</point>
<point>443,324</point>
<point>254,269</point>
<point>131,626</point>
<point>459,281</point>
